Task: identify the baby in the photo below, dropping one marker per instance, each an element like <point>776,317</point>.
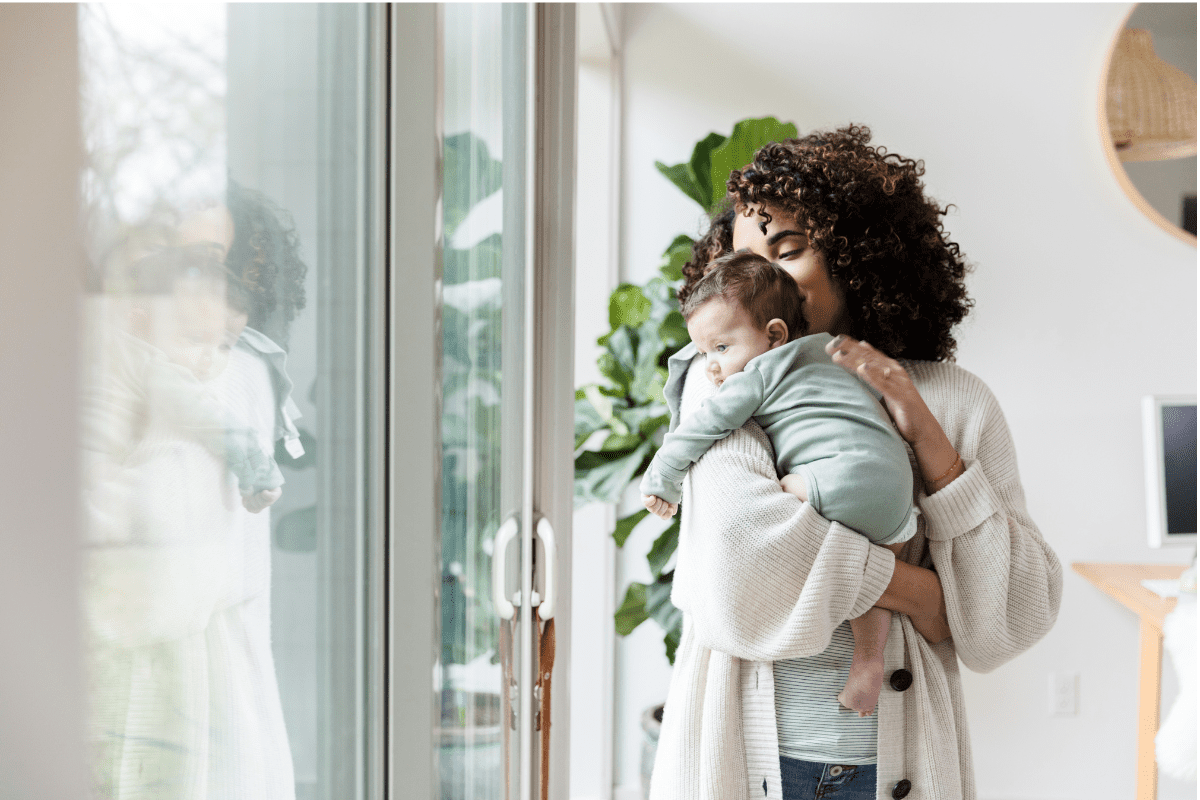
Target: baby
<point>182,325</point>
<point>834,444</point>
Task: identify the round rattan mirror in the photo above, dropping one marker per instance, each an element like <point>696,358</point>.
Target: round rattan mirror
<point>1147,113</point>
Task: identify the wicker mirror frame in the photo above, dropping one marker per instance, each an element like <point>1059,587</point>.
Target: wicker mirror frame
<point>1110,151</point>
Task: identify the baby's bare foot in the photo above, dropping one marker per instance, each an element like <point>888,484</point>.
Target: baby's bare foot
<point>861,692</point>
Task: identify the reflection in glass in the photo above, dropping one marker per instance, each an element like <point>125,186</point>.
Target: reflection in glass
<point>483,260</point>
<point>202,566</point>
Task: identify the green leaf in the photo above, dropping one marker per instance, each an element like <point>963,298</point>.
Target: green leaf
<point>625,526</point>
<point>611,368</point>
<point>602,404</point>
<point>659,606</point>
<point>622,370</point>
<point>646,419</point>
<point>604,478</point>
<point>738,151</point>
<point>470,175</point>
<point>646,380</point>
<point>296,531</point>
<point>682,240</point>
<point>672,640</point>
<point>628,306</point>
<point>663,548</point>
<point>618,443</point>
<point>633,609</point>
<point>682,176</point>
<point>701,164</point>
<point>590,460</point>
<point>587,419</point>
<point>676,255</point>
<point>673,332</point>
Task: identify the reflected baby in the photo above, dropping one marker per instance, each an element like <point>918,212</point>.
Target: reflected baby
<point>184,315</point>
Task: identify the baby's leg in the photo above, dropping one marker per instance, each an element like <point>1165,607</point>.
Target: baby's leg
<point>795,484</point>
<point>861,692</point>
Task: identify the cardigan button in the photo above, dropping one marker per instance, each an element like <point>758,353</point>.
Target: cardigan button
<point>902,789</point>
<point>901,679</point>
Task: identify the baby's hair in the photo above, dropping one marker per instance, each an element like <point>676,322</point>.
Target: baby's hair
<point>764,289</point>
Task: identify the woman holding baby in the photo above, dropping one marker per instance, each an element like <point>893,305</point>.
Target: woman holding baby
<point>767,585</point>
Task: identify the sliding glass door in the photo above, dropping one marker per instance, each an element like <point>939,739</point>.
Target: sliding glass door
<point>325,435</point>
<point>231,408</point>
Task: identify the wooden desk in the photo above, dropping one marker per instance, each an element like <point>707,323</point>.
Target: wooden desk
<point>1123,583</point>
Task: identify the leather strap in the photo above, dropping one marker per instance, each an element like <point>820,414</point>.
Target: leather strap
<point>545,672</point>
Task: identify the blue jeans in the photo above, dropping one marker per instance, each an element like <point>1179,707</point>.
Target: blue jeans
<point>806,780</point>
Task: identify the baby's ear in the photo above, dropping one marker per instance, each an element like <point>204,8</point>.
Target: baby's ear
<point>777,332</point>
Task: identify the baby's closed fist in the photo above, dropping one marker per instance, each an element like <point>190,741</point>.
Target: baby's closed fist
<point>659,507</point>
<point>254,503</point>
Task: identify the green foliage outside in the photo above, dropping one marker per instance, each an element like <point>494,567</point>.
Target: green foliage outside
<point>619,422</point>
<point>472,346</point>
<point>472,341</point>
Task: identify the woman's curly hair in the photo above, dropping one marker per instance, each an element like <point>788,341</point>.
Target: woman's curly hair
<point>709,247</point>
<point>265,257</point>
<point>882,240</point>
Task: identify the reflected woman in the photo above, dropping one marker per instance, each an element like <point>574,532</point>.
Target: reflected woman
<point>185,702</point>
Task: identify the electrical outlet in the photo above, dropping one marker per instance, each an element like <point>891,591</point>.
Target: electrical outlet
<point>1064,694</point>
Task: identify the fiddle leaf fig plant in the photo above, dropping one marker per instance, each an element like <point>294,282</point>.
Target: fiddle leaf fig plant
<point>619,422</point>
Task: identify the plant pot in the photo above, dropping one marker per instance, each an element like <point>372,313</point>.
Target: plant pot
<point>651,724</point>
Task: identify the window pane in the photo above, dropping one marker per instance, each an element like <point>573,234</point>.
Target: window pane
<point>227,410</point>
<point>483,349</point>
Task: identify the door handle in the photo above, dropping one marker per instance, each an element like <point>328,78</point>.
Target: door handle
<point>545,532</point>
<point>507,532</point>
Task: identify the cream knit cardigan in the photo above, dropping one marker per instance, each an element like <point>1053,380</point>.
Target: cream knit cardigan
<point>761,576</point>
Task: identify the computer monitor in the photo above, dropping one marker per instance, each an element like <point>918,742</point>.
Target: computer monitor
<point>1169,435</point>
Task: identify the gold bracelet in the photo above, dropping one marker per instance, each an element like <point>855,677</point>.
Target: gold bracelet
<point>957,461</point>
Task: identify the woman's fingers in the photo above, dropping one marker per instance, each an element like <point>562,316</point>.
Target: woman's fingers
<point>913,419</point>
<point>860,358</point>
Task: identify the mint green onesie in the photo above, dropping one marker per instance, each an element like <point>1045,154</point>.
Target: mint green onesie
<point>823,423</point>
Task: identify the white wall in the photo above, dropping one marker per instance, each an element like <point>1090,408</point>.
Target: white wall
<point>41,269</point>
<point>593,582</point>
<point>1083,305</point>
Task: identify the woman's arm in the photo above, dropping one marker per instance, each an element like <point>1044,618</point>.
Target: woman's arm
<point>747,550</point>
<point>763,575</point>
<point>1001,582</point>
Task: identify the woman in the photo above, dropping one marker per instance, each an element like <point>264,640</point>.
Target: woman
<point>185,702</point>
<point>766,585</point>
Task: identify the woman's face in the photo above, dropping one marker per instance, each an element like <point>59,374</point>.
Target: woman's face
<point>786,244</point>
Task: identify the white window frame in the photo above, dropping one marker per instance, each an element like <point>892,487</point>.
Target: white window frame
<point>414,262</point>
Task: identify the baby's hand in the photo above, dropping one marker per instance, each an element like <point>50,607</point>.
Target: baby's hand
<point>794,484</point>
<point>659,507</point>
<point>255,503</point>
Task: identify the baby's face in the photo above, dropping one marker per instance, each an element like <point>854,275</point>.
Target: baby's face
<point>726,334</point>
<point>197,330</point>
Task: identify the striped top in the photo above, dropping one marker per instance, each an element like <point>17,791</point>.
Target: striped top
<point>813,725</point>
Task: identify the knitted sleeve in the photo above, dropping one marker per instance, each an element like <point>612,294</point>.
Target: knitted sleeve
<point>717,417</point>
<point>1002,582</point>
<point>764,576</point>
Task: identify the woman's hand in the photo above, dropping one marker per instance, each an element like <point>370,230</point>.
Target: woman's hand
<point>913,418</point>
<point>939,461</point>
